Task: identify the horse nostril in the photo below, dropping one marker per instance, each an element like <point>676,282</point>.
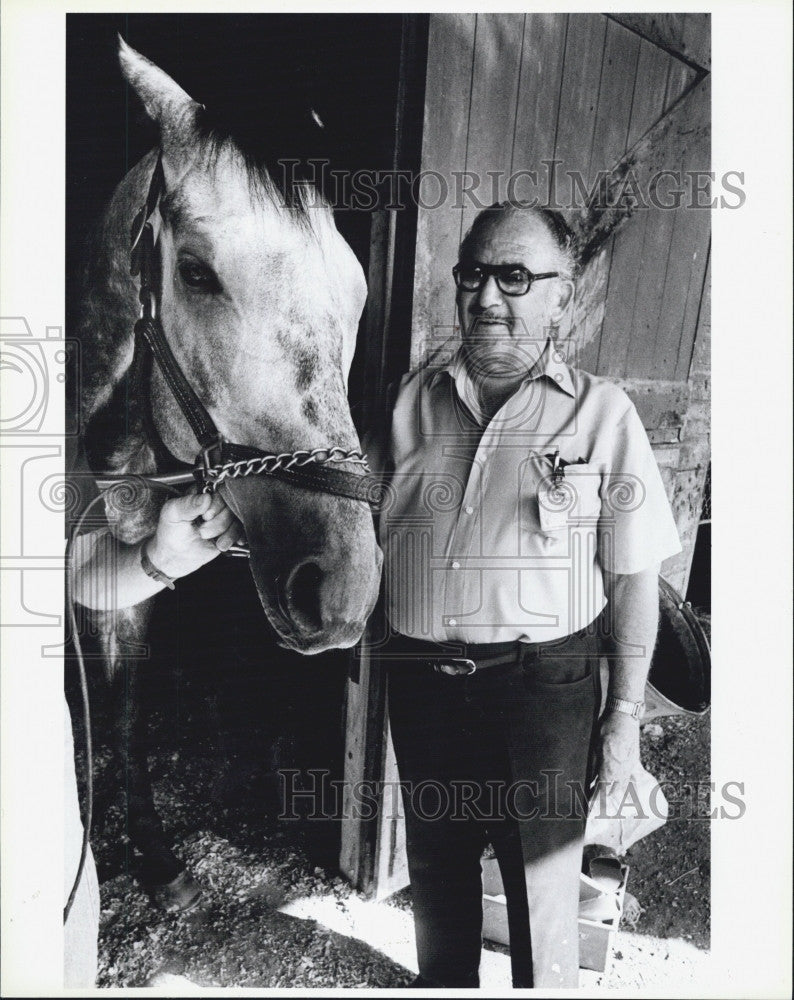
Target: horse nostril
<point>303,597</point>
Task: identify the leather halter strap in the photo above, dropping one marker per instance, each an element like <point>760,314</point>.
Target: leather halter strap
<point>217,455</point>
<point>148,327</point>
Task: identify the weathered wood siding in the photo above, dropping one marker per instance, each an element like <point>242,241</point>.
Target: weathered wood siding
<point>505,92</point>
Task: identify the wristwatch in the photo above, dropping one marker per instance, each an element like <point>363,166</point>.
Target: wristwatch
<point>636,709</point>
<point>151,570</point>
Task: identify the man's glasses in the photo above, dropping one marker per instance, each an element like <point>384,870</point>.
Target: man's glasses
<point>511,279</point>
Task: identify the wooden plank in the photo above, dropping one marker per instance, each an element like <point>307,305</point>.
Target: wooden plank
<point>538,103</point>
<point>686,502</point>
<point>660,147</point>
<point>378,309</point>
<point>392,868</point>
<point>584,51</point>
<point>700,364</point>
<point>351,857</point>
<point>668,458</point>
<point>661,403</point>
<point>409,136</point>
<point>686,36</point>
<point>641,354</point>
<point>622,290</point>
<point>650,89</point>
<point>363,768</point>
<point>610,139</point>
<point>697,314</point>
<point>647,104</point>
<point>686,264</point>
<point>656,326</point>
<point>682,126</point>
<point>659,303</point>
<point>697,431</point>
<point>492,110</point>
<point>447,91</point>
<point>614,112</point>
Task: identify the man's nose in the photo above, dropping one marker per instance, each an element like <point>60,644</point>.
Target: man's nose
<point>489,293</point>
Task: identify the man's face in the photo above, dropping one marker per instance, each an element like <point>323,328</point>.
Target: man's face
<point>502,333</point>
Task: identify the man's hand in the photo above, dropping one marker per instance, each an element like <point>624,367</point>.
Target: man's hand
<point>619,756</point>
<point>192,531</point>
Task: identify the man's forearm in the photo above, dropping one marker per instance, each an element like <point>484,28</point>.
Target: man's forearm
<point>634,618</point>
<point>107,573</point>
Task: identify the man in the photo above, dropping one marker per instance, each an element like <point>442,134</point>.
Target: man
<point>524,500</point>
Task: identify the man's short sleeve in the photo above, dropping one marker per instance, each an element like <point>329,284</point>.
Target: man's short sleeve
<point>636,529</point>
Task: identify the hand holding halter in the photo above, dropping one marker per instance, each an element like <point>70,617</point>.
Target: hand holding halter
<point>191,532</point>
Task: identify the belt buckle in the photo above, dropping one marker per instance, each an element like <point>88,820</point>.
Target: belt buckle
<point>456,667</point>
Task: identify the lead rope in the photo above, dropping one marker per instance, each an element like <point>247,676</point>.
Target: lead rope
<point>89,753</point>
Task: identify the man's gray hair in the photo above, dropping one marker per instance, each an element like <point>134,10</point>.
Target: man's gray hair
<point>554,221</point>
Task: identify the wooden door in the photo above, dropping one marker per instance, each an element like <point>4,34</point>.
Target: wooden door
<point>532,101</point>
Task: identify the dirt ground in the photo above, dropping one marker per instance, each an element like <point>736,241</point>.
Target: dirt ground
<point>276,913</point>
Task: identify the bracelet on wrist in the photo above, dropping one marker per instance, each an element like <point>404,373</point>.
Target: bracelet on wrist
<point>152,571</point>
<point>636,709</point>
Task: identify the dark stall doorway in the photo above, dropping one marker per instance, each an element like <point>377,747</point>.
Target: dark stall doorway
<point>221,695</point>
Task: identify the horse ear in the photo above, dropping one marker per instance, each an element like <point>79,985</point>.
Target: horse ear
<point>164,100</point>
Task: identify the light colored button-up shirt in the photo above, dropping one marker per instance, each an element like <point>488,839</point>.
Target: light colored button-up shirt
<point>483,543</point>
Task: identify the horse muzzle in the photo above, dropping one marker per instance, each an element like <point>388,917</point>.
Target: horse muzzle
<point>314,560</point>
<point>312,611</point>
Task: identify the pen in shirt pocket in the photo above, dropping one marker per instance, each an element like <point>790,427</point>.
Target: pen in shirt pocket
<point>559,465</point>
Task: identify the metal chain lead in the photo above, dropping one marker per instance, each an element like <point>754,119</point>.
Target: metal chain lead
<point>287,460</point>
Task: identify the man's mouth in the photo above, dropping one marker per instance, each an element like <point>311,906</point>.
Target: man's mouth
<point>491,321</point>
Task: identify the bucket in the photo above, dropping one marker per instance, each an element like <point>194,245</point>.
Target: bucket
<point>679,680</point>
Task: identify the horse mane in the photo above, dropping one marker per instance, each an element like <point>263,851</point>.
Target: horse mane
<point>284,162</point>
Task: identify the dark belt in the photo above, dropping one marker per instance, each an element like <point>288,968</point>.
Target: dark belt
<point>461,659</point>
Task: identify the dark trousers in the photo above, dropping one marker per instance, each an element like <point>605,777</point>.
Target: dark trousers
<point>503,756</point>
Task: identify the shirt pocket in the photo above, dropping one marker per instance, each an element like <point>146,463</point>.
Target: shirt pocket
<point>574,500</point>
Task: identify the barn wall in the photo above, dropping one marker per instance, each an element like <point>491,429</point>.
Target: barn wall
<point>505,92</point>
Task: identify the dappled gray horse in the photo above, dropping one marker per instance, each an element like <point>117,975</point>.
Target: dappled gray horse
<point>258,298</point>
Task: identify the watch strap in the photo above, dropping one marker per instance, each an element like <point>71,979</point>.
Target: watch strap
<point>636,709</point>
<point>151,570</point>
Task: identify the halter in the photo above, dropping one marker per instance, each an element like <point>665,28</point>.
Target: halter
<point>218,459</point>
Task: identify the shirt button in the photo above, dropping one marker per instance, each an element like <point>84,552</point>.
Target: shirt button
<point>468,510</point>
<point>452,621</point>
<point>456,565</point>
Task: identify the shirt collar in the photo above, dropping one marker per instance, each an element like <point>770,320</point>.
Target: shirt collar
<point>551,363</point>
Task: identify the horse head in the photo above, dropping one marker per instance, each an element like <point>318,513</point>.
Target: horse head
<point>259,301</point>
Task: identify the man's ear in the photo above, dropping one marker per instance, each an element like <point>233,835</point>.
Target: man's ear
<point>562,298</point>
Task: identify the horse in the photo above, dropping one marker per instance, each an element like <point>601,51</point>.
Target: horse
<point>256,299</point>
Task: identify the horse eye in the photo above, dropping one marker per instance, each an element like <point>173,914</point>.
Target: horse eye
<point>199,277</point>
